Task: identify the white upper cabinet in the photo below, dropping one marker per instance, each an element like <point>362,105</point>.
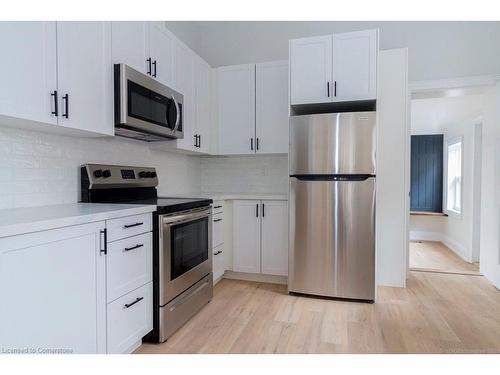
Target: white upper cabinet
<point>311,70</point>
<point>337,68</point>
<point>202,96</point>
<point>275,237</point>
<point>236,109</point>
<point>355,65</point>
<point>161,53</point>
<point>130,44</point>
<point>184,84</point>
<point>272,107</point>
<point>246,236</point>
<point>28,73</point>
<point>85,76</point>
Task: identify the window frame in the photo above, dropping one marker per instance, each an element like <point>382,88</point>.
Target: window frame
<point>450,141</point>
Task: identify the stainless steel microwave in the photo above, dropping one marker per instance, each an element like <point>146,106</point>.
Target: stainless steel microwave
<point>145,109</point>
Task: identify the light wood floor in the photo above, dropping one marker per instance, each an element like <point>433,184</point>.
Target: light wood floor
<point>436,313</point>
<point>435,256</point>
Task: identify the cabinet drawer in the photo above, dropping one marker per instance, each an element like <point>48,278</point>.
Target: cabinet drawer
<point>128,226</point>
<point>129,319</point>
<point>217,207</point>
<point>129,265</point>
<point>217,230</point>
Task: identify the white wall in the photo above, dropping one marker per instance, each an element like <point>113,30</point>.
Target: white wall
<point>490,192</point>
<point>437,50</point>
<point>245,174</point>
<point>41,168</point>
<point>453,117</point>
<point>392,168</point>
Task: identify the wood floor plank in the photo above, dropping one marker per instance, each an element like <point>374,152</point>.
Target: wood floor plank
<point>436,313</point>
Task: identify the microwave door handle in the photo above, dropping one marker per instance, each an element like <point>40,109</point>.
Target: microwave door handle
<point>178,117</point>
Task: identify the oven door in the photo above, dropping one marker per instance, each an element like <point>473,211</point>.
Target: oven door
<point>185,251</point>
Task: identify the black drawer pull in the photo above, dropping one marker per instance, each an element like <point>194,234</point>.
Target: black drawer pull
<point>138,299</point>
<point>217,220</point>
<point>217,206</point>
<point>132,225</point>
<point>133,247</point>
<point>218,252</point>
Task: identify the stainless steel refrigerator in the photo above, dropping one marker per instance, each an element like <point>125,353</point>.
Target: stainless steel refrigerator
<point>332,205</point>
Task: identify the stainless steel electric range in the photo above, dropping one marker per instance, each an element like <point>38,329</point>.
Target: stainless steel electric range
<point>182,231</point>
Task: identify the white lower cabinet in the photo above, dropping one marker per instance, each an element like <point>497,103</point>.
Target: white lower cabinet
<point>274,235</point>
<point>53,290</point>
<point>260,236</point>
<point>218,262</point>
<point>130,317</point>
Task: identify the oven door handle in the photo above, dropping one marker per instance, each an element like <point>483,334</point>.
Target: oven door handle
<point>179,219</point>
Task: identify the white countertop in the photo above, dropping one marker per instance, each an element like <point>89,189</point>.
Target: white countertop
<point>231,196</point>
<point>16,221</point>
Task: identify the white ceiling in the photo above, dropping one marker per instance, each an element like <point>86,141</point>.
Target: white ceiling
<point>437,50</point>
<point>433,116</point>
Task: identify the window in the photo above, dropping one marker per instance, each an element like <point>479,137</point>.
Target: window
<point>454,177</point>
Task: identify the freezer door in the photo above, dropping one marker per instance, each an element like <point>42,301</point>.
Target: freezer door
<point>332,238</point>
<point>333,143</point>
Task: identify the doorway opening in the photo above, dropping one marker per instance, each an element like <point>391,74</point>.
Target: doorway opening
<point>445,180</point>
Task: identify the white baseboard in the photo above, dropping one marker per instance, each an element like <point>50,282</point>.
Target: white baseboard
<point>258,277</point>
<point>453,245</point>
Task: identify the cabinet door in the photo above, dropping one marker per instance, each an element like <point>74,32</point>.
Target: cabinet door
<point>28,70</point>
<point>355,65</point>
<point>85,76</point>
<point>130,44</point>
<point>311,70</point>
<point>246,236</point>
<point>236,109</point>
<point>202,98</point>
<point>184,83</point>
<point>161,51</point>
<point>275,237</point>
<point>52,285</point>
<point>272,107</point>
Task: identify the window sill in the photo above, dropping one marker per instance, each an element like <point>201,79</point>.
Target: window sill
<point>425,213</point>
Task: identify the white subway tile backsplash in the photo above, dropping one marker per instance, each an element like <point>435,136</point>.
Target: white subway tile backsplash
<point>42,168</point>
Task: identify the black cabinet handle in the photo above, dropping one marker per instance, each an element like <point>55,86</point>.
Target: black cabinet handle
<point>251,144</point>
<point>199,140</point>
<point>104,245</point>
<point>217,206</point>
<point>154,65</point>
<point>335,88</point>
<point>257,144</point>
<point>257,210</point>
<point>56,104</point>
<point>132,225</point>
<point>138,299</point>
<point>196,140</point>
<point>149,66</point>
<point>66,105</point>
<point>133,247</point>
<point>217,220</point>
<point>263,210</point>
<point>218,252</point>
<point>328,88</point>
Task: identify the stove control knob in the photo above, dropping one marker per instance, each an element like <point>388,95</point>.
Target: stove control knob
<point>153,174</point>
<point>106,173</point>
<point>98,173</point>
<point>142,174</point>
